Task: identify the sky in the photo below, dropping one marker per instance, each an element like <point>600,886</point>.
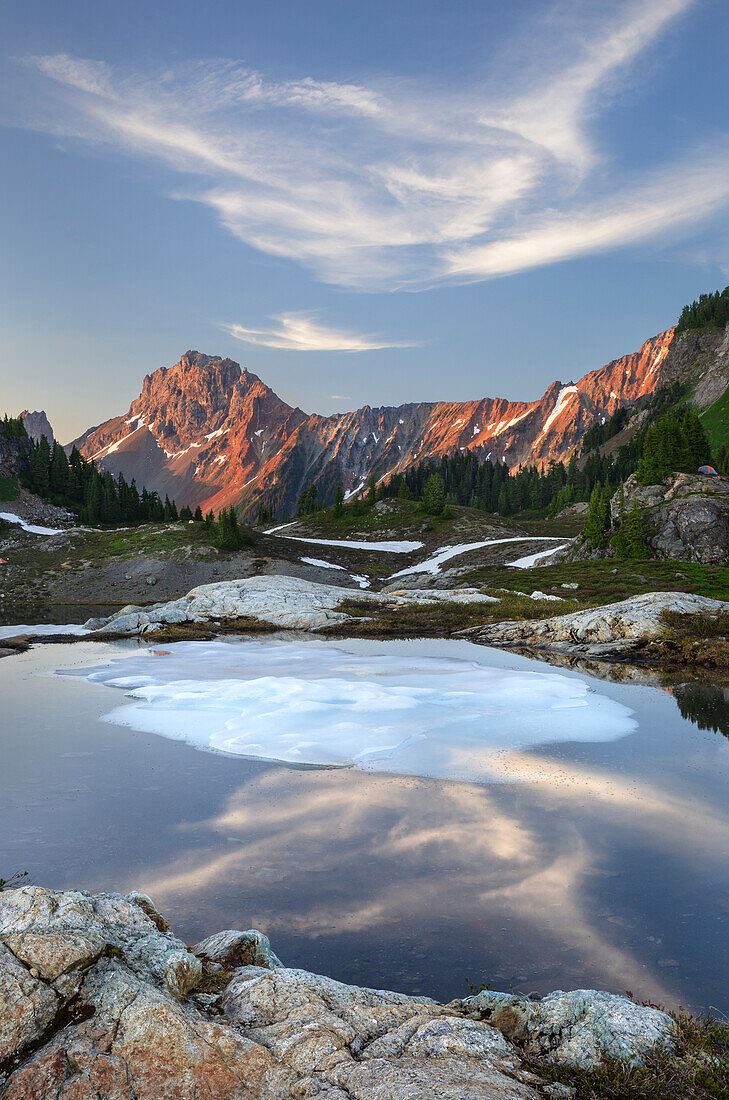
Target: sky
<point>371,203</point>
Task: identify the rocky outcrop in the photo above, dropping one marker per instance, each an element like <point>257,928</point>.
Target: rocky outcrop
<point>616,628</point>
<point>580,1028</point>
<point>37,425</point>
<point>14,455</point>
<point>206,432</point>
<point>290,603</point>
<point>98,998</point>
<point>701,358</point>
<point>686,516</point>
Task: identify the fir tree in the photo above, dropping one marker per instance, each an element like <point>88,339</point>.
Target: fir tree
<point>40,468</point>
<point>434,495</point>
<point>619,540</point>
<point>635,540</point>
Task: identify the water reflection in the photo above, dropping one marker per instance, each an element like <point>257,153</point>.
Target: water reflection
<point>705,704</point>
<point>598,864</point>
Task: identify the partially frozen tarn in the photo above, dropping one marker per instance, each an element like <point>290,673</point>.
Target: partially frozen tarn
<point>20,629</point>
<point>433,563</point>
<point>530,559</point>
<point>10,517</point>
<point>391,711</point>
<point>361,580</point>
<point>385,547</point>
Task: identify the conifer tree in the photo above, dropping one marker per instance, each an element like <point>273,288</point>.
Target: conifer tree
<point>635,540</point>
<point>434,495</point>
<point>58,476</point>
<point>40,468</point>
<point>619,540</point>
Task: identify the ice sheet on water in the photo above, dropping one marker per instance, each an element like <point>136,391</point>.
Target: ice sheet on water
<point>317,703</point>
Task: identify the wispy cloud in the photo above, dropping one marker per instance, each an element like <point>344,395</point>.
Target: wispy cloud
<point>302,332</point>
<point>401,185</point>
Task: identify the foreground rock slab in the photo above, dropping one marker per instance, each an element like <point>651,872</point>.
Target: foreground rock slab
<point>290,603</point>
<point>99,999</point>
<point>614,629</point>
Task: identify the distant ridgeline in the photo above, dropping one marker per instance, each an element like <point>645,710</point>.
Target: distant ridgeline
<point>78,484</point>
<point>670,438</point>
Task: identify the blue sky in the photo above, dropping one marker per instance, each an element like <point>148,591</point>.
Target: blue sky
<point>363,203</point>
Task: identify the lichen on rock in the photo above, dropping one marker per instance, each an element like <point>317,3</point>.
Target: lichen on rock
<point>98,999</point>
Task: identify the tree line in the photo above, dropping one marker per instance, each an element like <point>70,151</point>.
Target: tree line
<point>100,499</point>
<point>707,311</point>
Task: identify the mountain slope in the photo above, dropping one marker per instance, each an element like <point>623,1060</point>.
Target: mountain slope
<point>206,432</point>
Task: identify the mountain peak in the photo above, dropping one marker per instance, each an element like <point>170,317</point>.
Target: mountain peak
<point>208,432</point>
<point>37,425</point>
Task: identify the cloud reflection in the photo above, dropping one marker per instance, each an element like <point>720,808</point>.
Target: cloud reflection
<point>336,852</point>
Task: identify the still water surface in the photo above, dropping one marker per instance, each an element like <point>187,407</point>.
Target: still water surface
<point>572,863</point>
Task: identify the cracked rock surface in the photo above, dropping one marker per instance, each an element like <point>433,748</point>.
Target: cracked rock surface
<point>290,603</point>
<point>99,999</point>
<point>614,628</point>
<point>687,516</point>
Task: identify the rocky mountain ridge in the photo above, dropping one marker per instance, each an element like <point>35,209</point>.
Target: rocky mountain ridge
<point>207,432</point>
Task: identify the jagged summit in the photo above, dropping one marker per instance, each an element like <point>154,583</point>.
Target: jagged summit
<point>209,432</point>
<point>37,425</point>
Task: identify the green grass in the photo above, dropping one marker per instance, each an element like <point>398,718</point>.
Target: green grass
<point>9,489</point>
<point>606,580</point>
<point>151,539</point>
<point>716,421</point>
<point>435,620</point>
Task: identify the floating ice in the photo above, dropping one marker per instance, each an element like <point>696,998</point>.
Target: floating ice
<point>318,704</point>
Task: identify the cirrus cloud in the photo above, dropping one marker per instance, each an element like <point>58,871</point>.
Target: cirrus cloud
<point>302,332</point>
<point>396,184</point>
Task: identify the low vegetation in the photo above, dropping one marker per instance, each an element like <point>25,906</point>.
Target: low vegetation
<point>16,879</point>
<point>696,639</point>
<point>601,581</point>
<point>716,422</point>
<point>697,1069</point>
